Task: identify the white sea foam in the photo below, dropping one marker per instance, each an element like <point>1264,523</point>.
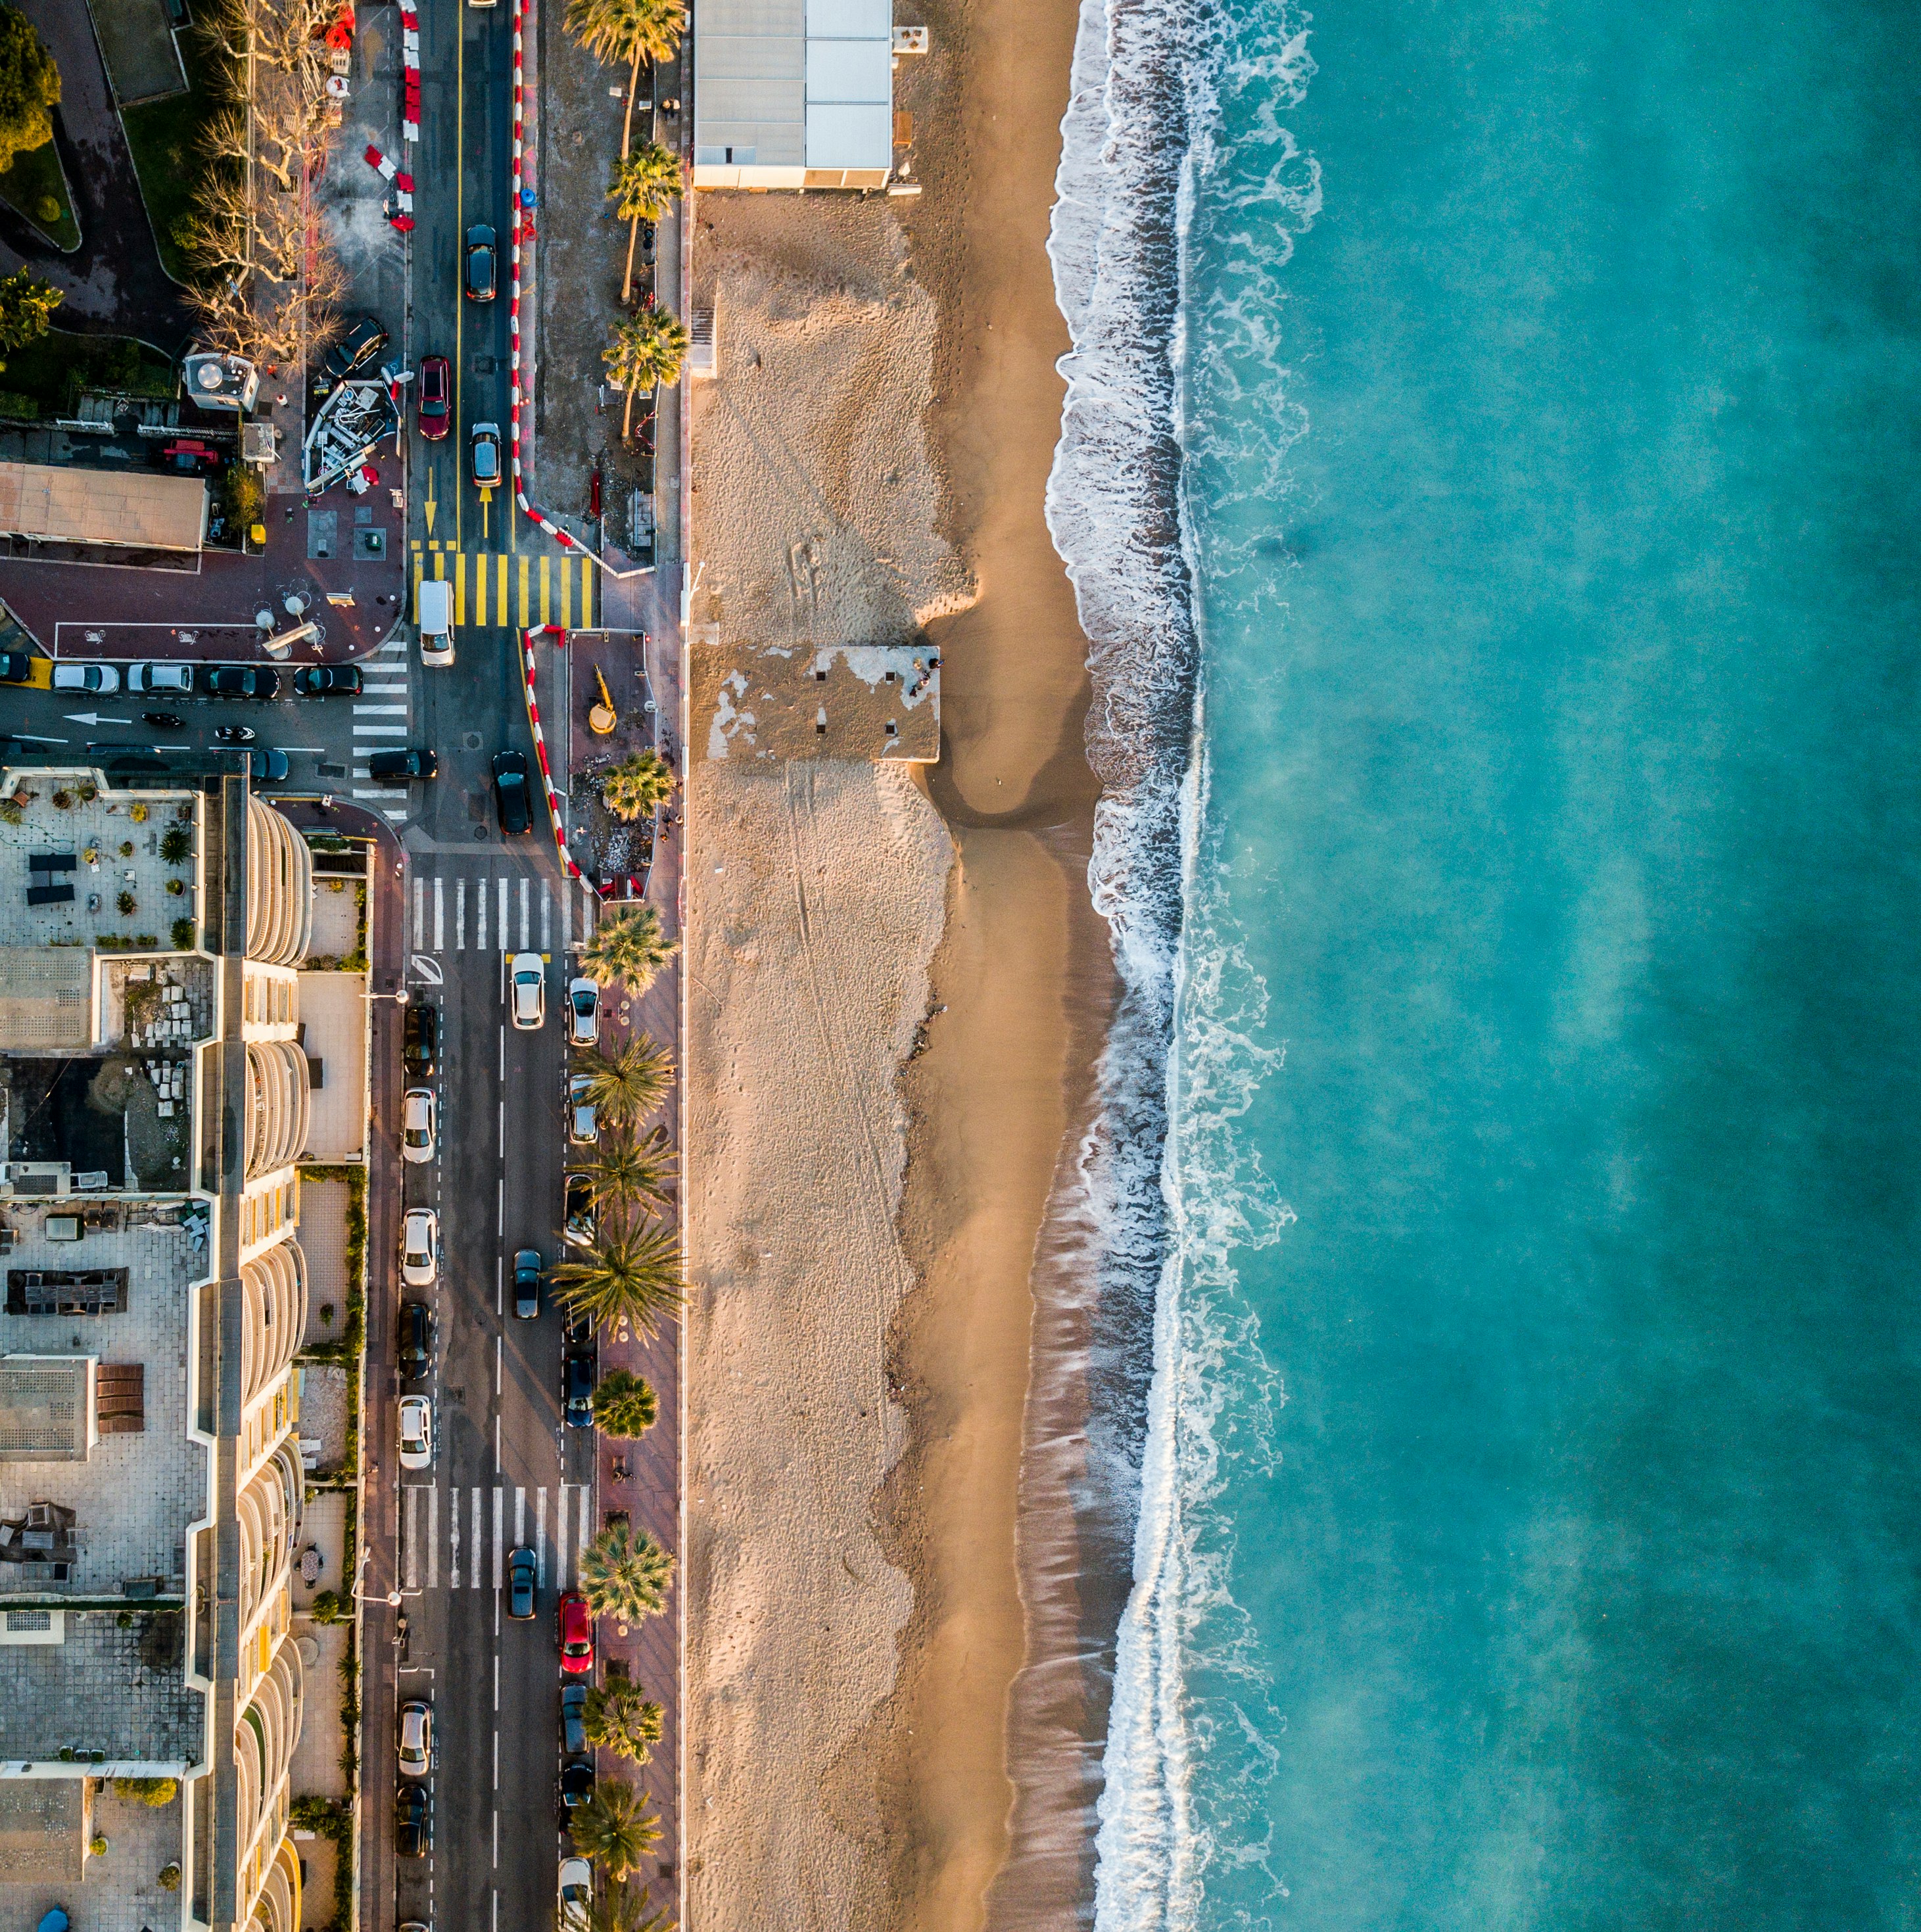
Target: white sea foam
<point>1170,1205</point>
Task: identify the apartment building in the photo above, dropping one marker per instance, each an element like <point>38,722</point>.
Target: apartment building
<point>156,1101</point>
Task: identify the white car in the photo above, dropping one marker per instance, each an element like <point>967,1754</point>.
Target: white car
<point>417,1142</point>
<point>582,1122</point>
<point>416,1432</point>
<point>527,991</point>
<point>420,1247</point>
<point>576,1894</point>
<point>583,1013</point>
<point>96,680</point>
<point>175,677</point>
<point>416,1739</point>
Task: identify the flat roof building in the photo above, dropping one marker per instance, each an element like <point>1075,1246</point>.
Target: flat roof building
<point>793,93</point>
<point>134,509</point>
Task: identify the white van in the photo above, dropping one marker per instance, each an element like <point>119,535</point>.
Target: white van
<point>436,618</point>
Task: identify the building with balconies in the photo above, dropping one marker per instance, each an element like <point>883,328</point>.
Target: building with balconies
<point>150,1479</point>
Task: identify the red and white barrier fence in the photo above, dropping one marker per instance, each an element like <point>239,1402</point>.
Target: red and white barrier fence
<point>409,74</point>
<point>403,195</point>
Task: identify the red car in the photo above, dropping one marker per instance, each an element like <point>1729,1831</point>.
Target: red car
<point>436,411</point>
<point>576,1635</point>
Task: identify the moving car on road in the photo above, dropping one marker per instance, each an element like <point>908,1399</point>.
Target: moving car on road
<point>243,681</point>
<point>433,611</point>
<point>527,991</point>
<point>435,398</point>
<point>416,1739</point>
<point>417,1137</point>
<point>526,1284</point>
<point>510,793</point>
<point>416,1432</point>
<point>420,1247</point>
<point>327,681</point>
<point>163,721</point>
<point>579,1227</point>
<point>360,341</point>
<point>160,677</point>
<point>484,455</point>
<point>420,1052</point>
<point>417,762</point>
<point>582,1117</point>
<point>478,278</point>
<point>576,1635</point>
<point>410,1815</point>
<point>583,1013</point>
<point>521,1571</point>
<point>414,1351</point>
<point>577,1381</point>
<point>96,680</point>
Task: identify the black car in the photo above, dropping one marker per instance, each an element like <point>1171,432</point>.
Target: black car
<point>511,795</point>
<point>579,1332</point>
<point>267,767</point>
<point>410,1815</point>
<point>420,762</point>
<point>327,681</point>
<point>521,1570</point>
<point>526,1284</point>
<point>415,1353</point>
<point>573,1719</point>
<point>421,1041</point>
<point>478,279</point>
<point>361,342</point>
<point>577,1382</point>
<point>576,1785</point>
<point>16,667</point>
<point>243,681</point>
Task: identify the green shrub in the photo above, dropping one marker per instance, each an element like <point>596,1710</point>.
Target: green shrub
<point>176,847</point>
<point>183,935</point>
<point>154,1791</point>
<point>126,902</point>
<point>327,1608</point>
<point>23,408</point>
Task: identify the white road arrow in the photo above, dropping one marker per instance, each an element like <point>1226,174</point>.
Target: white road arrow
<point>93,718</point>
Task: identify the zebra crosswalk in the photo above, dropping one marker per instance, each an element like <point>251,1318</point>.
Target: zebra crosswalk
<point>493,588</point>
<point>487,909</point>
<point>382,720</point>
<point>456,1536</point>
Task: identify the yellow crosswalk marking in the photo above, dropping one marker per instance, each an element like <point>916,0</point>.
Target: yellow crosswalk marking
<point>562,590</point>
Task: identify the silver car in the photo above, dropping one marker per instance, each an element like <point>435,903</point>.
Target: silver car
<point>583,1013</point>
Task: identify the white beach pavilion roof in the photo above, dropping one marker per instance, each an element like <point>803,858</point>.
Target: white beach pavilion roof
<point>791,94</point>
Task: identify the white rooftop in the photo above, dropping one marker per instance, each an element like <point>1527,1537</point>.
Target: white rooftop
<point>793,93</point>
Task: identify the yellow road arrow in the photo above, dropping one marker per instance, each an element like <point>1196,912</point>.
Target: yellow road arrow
<point>486,498</point>
<point>430,505</point>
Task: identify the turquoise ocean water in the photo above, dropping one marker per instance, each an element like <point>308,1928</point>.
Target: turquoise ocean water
<point>1515,827</point>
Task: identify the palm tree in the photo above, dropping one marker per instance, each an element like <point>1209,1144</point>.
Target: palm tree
<point>627,1086</point>
<point>614,1829</point>
<point>647,348</point>
<point>619,1718</point>
<point>624,1572</point>
<point>631,30</point>
<point>633,1277</point>
<point>629,1171</point>
<point>636,787</point>
<point>642,188</point>
<point>617,1909</point>
<point>624,1406</point>
<point>628,946</point>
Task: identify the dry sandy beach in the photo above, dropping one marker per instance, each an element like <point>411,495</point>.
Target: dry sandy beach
<point>896,984</point>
